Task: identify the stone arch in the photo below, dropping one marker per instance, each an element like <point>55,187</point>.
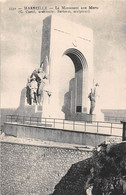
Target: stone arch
<point>62,37</point>
<point>77,57</point>
<point>75,98</point>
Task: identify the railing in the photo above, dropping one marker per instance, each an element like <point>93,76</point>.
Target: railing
<point>114,119</point>
<point>83,126</point>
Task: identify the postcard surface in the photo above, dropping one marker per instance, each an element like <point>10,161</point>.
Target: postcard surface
<point>63,92</point>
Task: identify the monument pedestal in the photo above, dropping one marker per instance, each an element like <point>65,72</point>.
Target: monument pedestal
<point>29,110</point>
<point>82,117</point>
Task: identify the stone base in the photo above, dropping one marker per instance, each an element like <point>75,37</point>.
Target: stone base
<point>28,110</point>
<point>31,111</point>
<point>82,117</point>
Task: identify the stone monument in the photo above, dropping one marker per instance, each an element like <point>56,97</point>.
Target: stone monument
<point>62,38</point>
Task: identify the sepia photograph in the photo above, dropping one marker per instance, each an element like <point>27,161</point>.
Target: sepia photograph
<point>63,97</point>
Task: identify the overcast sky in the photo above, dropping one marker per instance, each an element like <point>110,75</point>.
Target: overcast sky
<point>21,47</point>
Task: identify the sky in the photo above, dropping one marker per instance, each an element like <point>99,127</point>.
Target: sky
<point>21,37</point>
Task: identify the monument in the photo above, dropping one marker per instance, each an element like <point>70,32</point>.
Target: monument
<point>62,38</point>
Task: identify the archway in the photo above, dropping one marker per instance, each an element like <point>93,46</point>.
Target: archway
<point>75,98</point>
<point>75,42</point>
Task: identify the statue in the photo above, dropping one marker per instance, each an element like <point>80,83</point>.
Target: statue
<point>33,90</point>
<point>41,84</point>
<point>36,84</point>
<point>28,91</point>
<point>92,97</point>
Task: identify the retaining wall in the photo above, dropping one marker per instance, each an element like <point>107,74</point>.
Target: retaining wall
<point>35,169</point>
<point>56,135</point>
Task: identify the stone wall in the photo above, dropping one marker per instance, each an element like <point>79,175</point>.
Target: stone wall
<point>55,135</point>
<point>36,168</point>
<point>102,174</point>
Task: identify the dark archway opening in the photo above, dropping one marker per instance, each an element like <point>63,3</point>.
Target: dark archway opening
<point>77,57</point>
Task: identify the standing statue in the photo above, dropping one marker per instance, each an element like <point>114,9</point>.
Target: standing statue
<point>92,98</point>
<point>41,84</point>
<point>33,88</point>
<point>28,91</point>
<point>36,85</point>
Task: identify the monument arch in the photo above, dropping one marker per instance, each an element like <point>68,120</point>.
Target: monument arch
<point>74,99</point>
<point>64,38</point>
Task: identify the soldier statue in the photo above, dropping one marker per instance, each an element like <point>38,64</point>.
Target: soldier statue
<point>28,91</point>
<point>92,98</point>
<point>36,85</point>
<point>33,89</point>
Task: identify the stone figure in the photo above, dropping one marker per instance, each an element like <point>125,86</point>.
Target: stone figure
<point>92,98</point>
<point>40,92</point>
<point>41,84</point>
<point>35,87</point>
<point>28,91</point>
